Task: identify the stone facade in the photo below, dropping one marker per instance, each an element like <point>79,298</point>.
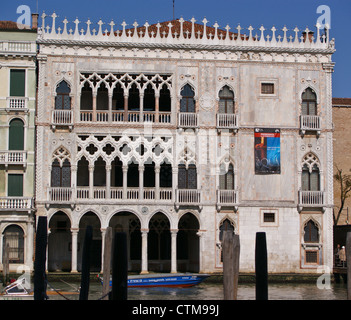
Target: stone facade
<point>151,130</point>
<point>17,155</point>
<point>341,115</point>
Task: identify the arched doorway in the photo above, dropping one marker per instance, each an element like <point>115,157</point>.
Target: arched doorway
<point>129,223</point>
<point>59,243</point>
<point>90,219</point>
<point>188,248</point>
<point>159,243</point>
<point>14,238</point>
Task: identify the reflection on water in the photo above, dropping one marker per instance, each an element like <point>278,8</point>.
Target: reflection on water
<point>211,291</point>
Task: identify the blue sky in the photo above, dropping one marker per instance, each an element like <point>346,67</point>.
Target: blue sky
<point>278,13</point>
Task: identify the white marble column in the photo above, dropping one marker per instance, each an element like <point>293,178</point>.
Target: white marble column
<point>144,257</point>
<point>108,181</point>
<point>103,232</point>
<point>74,248</point>
<point>174,250</point>
<point>125,172</point>
<point>157,182</point>
<point>141,182</point>
<point>91,181</point>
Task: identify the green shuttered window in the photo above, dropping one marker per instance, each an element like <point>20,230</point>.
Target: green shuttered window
<point>16,135</point>
<point>15,185</point>
<point>17,83</point>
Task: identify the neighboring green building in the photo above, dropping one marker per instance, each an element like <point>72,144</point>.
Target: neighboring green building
<point>17,143</point>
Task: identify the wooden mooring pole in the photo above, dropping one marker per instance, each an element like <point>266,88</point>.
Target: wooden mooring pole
<point>5,268</point>
<point>40,259</point>
<point>231,253</point>
<point>119,267</point>
<point>348,264</point>
<point>107,263</point>
<point>261,268</point>
<point>85,277</point>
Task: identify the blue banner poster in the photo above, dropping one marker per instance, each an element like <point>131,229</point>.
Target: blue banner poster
<point>267,151</point>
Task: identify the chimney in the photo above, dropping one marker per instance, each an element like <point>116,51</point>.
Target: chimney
<point>35,20</point>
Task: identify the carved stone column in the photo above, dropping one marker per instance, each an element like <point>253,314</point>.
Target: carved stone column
<point>141,182</point>
<point>74,247</point>
<point>125,172</point>
<point>91,181</point>
<point>108,181</point>
<point>174,233</point>
<point>144,257</point>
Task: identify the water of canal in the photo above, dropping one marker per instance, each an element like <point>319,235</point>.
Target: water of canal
<point>214,291</point>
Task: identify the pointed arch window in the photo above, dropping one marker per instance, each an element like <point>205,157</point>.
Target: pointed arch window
<point>118,97</point>
<point>86,97</point>
<point>187,102</point>
<point>226,178</point>
<point>61,173</point>
<point>311,232</point>
<point>133,98</point>
<point>102,97</point>
<point>309,103</point>
<point>149,98</point>
<point>63,99</point>
<point>310,175</point>
<point>226,101</point>
<point>310,178</point>
<point>187,176</point>
<point>165,99</point>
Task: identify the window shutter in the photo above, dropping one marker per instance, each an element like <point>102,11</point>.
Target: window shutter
<point>314,180</point>
<point>15,185</point>
<point>304,108</point>
<point>55,174</point>
<point>66,174</point>
<point>305,176</point>
<point>192,177</point>
<point>182,177</point>
<point>16,135</point>
<point>312,110</point>
<point>17,83</point>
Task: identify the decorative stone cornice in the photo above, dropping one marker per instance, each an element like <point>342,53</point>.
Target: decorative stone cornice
<point>181,34</point>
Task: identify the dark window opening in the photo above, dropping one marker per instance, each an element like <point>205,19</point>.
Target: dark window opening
<point>187,102</point>
<point>165,99</point>
<point>267,88</point>
<point>149,98</point>
<point>118,98</point>
<point>62,99</point>
<point>133,98</point>
<point>86,98</point>
<point>133,175</point>
<point>311,232</point>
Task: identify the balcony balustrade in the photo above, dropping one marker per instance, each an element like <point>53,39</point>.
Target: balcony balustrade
<point>227,198</point>
<point>310,123</point>
<point>191,197</point>
<point>311,199</point>
<point>188,120</point>
<point>227,121</point>
<point>62,118</point>
<point>123,117</point>
<point>60,194</point>
<point>120,194</point>
<point>13,157</point>
<point>16,203</point>
<point>17,104</point>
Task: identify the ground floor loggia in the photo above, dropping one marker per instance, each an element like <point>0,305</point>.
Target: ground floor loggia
<point>157,248</point>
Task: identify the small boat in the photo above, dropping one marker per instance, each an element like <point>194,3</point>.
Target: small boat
<point>164,280</point>
<point>20,290</point>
